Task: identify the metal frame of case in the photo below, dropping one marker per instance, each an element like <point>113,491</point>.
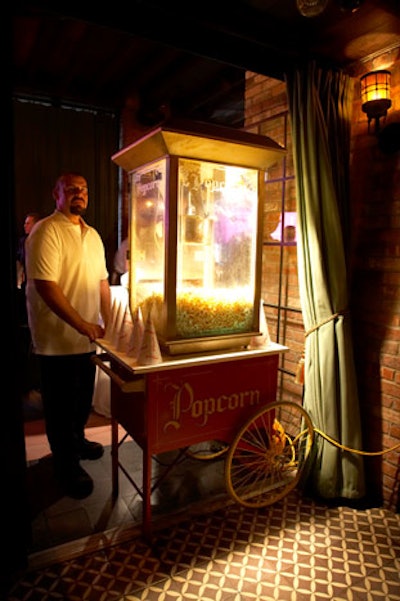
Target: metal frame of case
<point>169,146</point>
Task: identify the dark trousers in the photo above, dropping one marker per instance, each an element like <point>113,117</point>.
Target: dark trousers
<point>67,384</point>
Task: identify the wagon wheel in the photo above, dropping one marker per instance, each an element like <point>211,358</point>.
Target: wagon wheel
<point>267,455</point>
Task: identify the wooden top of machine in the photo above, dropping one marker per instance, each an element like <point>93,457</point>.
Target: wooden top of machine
<point>201,141</point>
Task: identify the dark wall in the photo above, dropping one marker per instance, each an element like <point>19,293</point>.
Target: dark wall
<point>52,139</point>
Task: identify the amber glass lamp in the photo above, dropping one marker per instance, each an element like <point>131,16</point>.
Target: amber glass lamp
<point>375,95</point>
<point>311,8</point>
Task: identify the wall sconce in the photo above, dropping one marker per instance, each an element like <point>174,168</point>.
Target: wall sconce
<point>375,95</point>
<point>311,8</point>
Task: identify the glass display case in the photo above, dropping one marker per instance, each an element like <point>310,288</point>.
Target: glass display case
<point>195,233</point>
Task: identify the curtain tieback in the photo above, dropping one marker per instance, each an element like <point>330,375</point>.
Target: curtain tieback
<point>299,376</point>
<point>327,320</point>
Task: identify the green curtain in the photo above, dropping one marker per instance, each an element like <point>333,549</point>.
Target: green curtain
<point>319,105</point>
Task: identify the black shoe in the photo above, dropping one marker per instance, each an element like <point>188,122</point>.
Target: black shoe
<point>90,450</point>
<point>76,484</point>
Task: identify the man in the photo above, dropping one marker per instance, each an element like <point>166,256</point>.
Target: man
<point>68,301</point>
<point>29,222</point>
<point>28,370</point>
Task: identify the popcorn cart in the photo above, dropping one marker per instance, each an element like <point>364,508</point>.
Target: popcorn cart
<point>193,304</point>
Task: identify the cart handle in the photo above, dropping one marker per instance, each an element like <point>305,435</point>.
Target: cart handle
<point>124,385</point>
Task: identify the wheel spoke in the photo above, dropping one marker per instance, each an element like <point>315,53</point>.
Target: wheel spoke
<point>266,458</point>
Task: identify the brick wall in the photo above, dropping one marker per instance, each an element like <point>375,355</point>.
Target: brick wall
<point>375,270</point>
<point>375,197</point>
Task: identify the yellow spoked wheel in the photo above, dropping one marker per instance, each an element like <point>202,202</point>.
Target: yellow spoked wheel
<point>266,458</point>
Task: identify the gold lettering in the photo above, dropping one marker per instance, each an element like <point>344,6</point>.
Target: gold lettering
<point>220,407</point>
<point>183,401</point>
<point>233,402</point>
<point>197,409</point>
<point>179,404</point>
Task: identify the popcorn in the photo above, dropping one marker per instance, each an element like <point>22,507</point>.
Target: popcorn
<point>199,313</point>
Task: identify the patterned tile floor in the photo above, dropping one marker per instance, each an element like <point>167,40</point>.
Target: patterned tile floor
<point>295,550</point>
<point>203,547</point>
<point>58,520</point>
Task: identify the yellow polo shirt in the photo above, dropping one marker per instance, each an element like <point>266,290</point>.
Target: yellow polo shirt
<point>72,256</point>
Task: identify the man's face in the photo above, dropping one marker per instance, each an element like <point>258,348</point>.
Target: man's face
<point>29,223</point>
<point>72,195</point>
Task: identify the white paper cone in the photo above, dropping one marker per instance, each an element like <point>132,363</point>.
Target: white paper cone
<point>111,324</point>
<point>150,352</point>
<point>118,323</point>
<point>125,331</point>
<point>118,295</point>
<point>136,339</point>
<point>263,339</point>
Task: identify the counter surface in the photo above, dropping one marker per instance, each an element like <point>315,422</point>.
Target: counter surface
<point>177,362</point>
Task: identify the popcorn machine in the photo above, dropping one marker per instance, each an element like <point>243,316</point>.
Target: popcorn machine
<point>195,241</point>
<point>195,233</point>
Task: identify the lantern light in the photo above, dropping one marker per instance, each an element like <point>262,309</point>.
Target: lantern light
<point>375,95</point>
<point>311,8</point>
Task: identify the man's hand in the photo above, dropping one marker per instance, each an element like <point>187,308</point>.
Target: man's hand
<point>91,330</point>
